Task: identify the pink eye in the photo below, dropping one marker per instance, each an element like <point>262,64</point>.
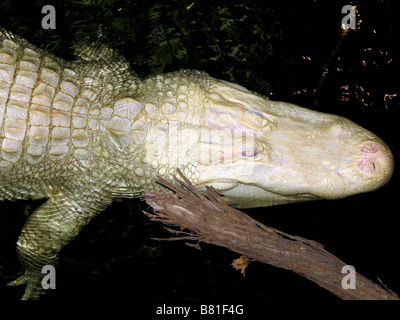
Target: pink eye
<point>249,152</point>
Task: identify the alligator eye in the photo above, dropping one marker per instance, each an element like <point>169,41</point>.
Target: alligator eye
<point>249,152</point>
<point>255,118</point>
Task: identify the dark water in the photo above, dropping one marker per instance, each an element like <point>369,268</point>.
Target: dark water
<point>280,50</point>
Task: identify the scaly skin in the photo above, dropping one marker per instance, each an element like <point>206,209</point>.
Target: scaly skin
<point>82,133</point>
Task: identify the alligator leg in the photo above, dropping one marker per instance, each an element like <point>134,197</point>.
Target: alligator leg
<point>53,225</point>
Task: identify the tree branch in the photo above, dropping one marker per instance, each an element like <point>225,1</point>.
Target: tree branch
<point>211,220</point>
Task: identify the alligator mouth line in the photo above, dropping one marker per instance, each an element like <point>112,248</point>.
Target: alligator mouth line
<point>229,185</point>
<point>220,185</point>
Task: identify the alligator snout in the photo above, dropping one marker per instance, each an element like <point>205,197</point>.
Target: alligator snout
<point>376,162</point>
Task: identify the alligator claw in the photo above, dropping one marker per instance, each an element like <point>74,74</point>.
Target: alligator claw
<point>33,289</point>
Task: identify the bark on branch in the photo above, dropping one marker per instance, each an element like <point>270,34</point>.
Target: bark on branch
<point>209,219</point>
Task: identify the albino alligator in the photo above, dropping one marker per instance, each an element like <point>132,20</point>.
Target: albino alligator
<point>84,132</point>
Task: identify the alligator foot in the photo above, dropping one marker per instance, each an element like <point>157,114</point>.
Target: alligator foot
<point>33,282</point>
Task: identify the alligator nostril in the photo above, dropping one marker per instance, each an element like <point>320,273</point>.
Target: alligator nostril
<point>370,148</point>
<point>366,166</point>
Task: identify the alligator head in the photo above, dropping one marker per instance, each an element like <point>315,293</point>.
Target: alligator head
<point>264,152</point>
<point>259,152</point>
